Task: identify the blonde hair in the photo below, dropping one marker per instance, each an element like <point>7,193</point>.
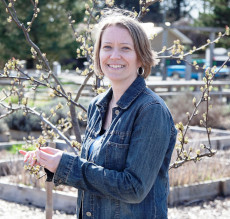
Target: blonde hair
<point>141,43</point>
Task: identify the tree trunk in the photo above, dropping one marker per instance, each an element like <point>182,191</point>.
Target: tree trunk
<point>75,123</point>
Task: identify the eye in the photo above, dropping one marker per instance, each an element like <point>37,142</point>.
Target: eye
<point>125,48</point>
<point>106,47</point>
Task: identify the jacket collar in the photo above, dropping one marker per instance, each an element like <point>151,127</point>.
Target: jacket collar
<point>128,97</point>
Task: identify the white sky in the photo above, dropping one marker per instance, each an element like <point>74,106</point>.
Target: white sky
<point>197,7</point>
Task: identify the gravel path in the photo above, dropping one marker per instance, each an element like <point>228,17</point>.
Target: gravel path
<point>11,210</point>
<point>218,208</point>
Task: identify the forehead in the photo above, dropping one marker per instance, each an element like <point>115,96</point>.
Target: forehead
<point>116,33</point>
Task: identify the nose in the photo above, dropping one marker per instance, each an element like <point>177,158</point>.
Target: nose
<point>115,54</point>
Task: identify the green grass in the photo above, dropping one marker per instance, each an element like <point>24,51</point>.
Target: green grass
<point>16,147</point>
<point>13,99</point>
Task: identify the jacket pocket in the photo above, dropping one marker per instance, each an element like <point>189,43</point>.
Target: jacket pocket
<point>116,155</point>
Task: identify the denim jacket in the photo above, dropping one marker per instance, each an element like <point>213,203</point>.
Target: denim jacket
<point>127,177</point>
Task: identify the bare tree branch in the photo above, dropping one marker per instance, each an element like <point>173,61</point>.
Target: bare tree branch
<point>43,119</point>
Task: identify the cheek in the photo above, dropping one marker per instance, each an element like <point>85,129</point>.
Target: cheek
<point>102,57</point>
<point>135,61</point>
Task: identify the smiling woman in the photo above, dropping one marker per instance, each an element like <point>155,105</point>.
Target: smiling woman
<point>137,39</point>
<point>123,168</point>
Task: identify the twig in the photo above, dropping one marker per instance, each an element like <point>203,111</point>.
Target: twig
<point>52,126</point>
<point>196,158</point>
<point>83,85</point>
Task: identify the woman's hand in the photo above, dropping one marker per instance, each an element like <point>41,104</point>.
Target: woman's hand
<point>45,156</point>
<point>30,157</point>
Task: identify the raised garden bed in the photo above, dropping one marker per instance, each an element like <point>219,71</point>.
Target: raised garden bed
<point>66,201</point>
<point>4,137</point>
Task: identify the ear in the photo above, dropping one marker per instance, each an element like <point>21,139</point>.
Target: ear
<point>139,64</point>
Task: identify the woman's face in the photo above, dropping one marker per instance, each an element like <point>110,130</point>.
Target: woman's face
<point>118,59</point>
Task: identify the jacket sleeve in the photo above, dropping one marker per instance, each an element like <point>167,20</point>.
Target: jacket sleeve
<point>148,146</point>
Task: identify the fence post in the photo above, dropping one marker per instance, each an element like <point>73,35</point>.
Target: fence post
<point>212,47</point>
<point>188,68</point>
<point>164,43</point>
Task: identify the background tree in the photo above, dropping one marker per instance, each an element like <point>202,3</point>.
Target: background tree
<point>177,9</point>
<point>57,42</point>
<point>173,9</point>
<point>154,15</point>
<point>216,14</point>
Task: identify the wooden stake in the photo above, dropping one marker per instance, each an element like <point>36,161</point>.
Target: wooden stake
<point>49,193</point>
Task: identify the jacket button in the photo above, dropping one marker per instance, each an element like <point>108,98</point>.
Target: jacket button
<point>88,214</point>
<point>116,112</point>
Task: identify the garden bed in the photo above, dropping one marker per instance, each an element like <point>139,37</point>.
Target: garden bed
<point>66,201</point>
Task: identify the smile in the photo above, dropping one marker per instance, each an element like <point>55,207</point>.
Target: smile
<point>116,66</point>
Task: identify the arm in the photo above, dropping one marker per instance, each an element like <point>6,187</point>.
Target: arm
<point>147,149</point>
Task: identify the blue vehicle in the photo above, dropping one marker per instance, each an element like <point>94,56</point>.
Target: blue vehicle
<point>179,71</point>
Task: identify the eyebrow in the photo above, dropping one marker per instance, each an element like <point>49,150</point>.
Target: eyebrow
<point>120,43</point>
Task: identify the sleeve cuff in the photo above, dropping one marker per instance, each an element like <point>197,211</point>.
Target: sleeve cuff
<point>63,169</point>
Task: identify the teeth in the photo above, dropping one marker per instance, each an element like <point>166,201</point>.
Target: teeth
<point>116,66</point>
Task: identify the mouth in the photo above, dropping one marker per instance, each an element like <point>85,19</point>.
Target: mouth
<point>116,66</point>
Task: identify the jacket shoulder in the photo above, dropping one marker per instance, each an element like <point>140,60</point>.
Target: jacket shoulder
<point>96,100</point>
<point>150,97</point>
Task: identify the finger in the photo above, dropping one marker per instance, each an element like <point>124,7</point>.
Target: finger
<point>43,158</point>
<point>32,158</point>
<point>49,161</point>
<point>27,156</point>
<point>22,152</point>
<point>41,163</point>
<point>49,150</point>
<point>44,155</point>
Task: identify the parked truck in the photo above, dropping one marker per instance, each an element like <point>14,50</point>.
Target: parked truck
<point>179,70</point>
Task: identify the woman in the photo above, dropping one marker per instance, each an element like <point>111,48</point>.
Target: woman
<point>130,134</point>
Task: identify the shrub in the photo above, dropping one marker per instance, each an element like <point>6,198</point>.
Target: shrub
<point>17,121</point>
<point>30,122</point>
<point>218,117</point>
<point>3,127</point>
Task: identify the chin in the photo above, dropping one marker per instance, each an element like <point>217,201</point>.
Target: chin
<point>115,79</point>
<point>114,76</point>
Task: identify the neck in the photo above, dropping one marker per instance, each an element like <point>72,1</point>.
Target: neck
<point>117,93</point>
<point>119,88</point>
<point>113,102</point>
